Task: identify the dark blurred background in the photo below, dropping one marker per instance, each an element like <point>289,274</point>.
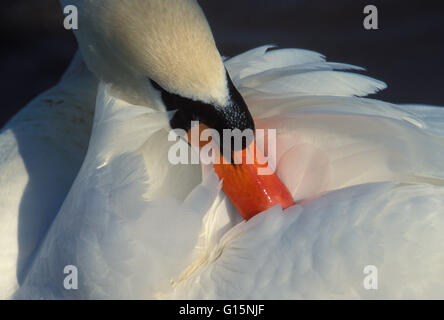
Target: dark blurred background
<point>406,52</point>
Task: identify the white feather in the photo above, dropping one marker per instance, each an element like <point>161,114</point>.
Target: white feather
<point>318,250</point>
<point>41,150</point>
<point>296,72</point>
<point>106,225</point>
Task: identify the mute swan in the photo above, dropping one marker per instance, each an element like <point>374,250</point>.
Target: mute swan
<point>368,175</point>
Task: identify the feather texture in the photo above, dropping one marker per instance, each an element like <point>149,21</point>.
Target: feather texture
<point>41,151</point>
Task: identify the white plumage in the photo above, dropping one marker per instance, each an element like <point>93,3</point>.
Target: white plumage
<point>368,174</point>
<point>41,151</point>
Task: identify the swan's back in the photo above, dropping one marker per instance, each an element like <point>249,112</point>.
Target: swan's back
<point>41,150</point>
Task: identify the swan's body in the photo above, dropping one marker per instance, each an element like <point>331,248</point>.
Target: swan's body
<point>41,151</point>
<point>370,175</point>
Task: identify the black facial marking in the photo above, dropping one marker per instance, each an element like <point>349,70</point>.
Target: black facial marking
<point>233,116</point>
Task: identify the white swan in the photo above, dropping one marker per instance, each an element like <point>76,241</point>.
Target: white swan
<point>138,227</point>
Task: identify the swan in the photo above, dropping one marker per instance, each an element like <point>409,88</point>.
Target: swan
<point>366,175</point>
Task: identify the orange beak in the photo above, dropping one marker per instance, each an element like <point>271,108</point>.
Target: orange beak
<point>251,186</point>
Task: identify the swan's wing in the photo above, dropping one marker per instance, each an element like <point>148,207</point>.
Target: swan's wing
<point>262,74</point>
<point>126,241</point>
<point>41,150</point>
<point>430,117</point>
<point>328,139</point>
<point>319,150</point>
<point>321,249</point>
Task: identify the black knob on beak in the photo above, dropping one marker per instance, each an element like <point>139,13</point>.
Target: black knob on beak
<point>232,121</point>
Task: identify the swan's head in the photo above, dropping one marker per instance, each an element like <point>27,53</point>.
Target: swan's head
<point>162,47</point>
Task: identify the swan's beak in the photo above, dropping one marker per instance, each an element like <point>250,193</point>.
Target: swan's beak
<point>245,179</point>
<point>250,185</point>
